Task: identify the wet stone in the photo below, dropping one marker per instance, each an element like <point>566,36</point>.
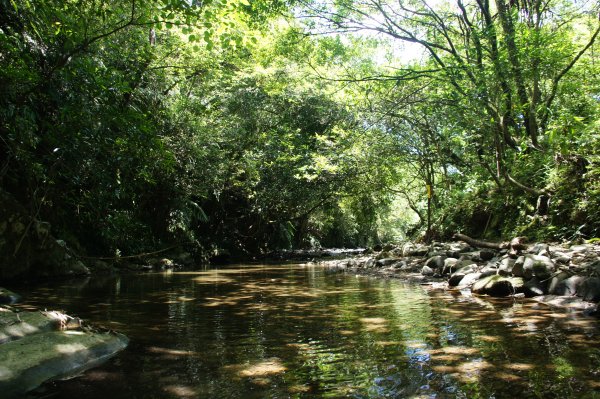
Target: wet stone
<point>517,269</point>
<point>498,286</point>
<point>486,254</point>
<point>539,266</point>
<point>469,279</point>
<point>436,262</point>
<point>506,266</point>
<point>455,279</point>
<point>386,261</point>
<point>590,289</point>
<point>568,286</point>
<point>535,287</point>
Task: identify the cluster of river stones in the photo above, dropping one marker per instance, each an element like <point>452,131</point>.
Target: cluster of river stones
<point>539,270</point>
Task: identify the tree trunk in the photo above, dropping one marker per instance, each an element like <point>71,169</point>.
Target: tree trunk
<point>515,245</point>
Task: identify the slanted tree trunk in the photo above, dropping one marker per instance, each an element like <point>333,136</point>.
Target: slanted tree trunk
<point>515,245</point>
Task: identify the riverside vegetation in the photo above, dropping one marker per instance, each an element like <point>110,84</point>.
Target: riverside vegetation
<point>228,129</point>
<point>223,130</point>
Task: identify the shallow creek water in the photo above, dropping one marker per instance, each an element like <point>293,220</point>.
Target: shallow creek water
<point>290,331</point>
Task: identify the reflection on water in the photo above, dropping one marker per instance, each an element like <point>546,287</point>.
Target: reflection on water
<point>292,331</point>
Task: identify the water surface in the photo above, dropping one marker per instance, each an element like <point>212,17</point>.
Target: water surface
<point>297,332</point>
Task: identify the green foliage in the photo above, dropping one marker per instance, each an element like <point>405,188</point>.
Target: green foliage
<point>223,126</point>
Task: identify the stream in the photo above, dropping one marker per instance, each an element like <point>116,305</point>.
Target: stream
<point>293,331</point>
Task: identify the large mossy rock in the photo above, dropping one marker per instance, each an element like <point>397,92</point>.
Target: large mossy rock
<point>499,286</point>
<point>27,249</point>
<point>30,361</point>
<point>14,326</point>
<point>36,347</point>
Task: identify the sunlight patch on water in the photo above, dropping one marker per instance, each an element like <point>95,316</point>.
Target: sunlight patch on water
<point>181,391</point>
<point>265,368</point>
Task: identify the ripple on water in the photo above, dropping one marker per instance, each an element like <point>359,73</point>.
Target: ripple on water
<point>287,331</point>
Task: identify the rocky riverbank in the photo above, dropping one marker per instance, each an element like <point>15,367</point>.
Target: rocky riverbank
<point>554,273</point>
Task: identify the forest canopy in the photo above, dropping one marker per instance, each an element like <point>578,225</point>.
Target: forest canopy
<point>241,127</point>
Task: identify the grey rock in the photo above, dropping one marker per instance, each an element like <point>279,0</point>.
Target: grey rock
<point>399,265</point>
<point>536,248</point>
<point>77,268</point>
<point>410,267</point>
<point>435,262</point>
<point>449,265</point>
<point>427,271</point>
<point>27,323</point>
<point>498,286</point>
<point>568,286</point>
<point>469,280</point>
<point>472,256</point>
<point>581,248</point>
<point>486,254</point>
<point>593,267</point>
<point>463,262</point>
<point>436,252</point>
<point>386,261</point>
<point>535,287</point>
<point>472,268</point>
<point>555,281</point>
<point>539,266</point>
<point>561,258</point>
<point>517,270</point>
<point>489,270</point>
<point>410,249</point>
<point>590,289</point>
<point>505,268</point>
<point>460,247</point>
<point>455,279</point>
<point>420,251</point>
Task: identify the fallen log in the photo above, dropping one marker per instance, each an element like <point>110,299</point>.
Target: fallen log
<point>515,245</point>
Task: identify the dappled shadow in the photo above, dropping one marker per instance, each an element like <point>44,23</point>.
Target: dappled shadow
<point>288,331</point>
